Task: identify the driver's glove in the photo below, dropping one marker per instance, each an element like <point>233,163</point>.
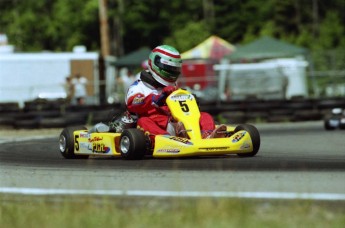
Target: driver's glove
<point>160,98</point>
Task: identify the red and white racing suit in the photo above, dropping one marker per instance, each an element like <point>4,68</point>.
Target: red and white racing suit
<point>153,119</point>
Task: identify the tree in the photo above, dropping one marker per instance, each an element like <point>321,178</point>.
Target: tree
<point>189,36</point>
<point>34,25</point>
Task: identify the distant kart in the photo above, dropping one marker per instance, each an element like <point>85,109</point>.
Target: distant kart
<point>336,120</point>
<point>132,143</point>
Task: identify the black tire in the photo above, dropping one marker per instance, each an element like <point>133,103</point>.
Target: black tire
<point>26,124</point>
<point>57,122</point>
<point>66,142</point>
<point>133,144</point>
<point>327,125</point>
<point>9,107</point>
<point>76,118</point>
<point>342,123</point>
<point>6,120</point>
<point>254,135</point>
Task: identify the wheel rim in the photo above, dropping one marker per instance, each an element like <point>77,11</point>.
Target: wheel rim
<point>62,144</point>
<point>124,144</point>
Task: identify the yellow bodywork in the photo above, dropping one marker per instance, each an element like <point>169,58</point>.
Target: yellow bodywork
<point>183,108</point>
<point>171,146</point>
<point>105,143</point>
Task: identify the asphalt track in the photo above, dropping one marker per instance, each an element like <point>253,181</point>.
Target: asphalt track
<point>294,159</point>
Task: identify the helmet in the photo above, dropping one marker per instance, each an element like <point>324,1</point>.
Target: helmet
<point>165,64</point>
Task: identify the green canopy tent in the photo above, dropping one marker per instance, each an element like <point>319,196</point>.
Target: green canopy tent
<point>269,48</point>
<point>134,59</point>
<point>265,48</point>
<point>131,62</point>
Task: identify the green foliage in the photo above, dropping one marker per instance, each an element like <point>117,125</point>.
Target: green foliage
<point>150,22</point>
<point>35,25</point>
<point>189,36</point>
<point>328,49</point>
<point>331,32</point>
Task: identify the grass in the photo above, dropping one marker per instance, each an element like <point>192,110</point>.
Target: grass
<point>77,211</point>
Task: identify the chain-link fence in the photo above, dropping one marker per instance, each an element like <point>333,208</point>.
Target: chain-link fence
<point>326,75</point>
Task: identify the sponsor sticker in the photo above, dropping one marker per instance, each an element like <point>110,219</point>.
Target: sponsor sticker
<point>84,135</point>
<point>214,148</point>
<point>238,136</point>
<point>181,140</point>
<point>100,148</point>
<point>138,100</point>
<point>182,97</point>
<point>245,145</point>
<point>84,145</point>
<point>169,150</point>
<point>95,139</point>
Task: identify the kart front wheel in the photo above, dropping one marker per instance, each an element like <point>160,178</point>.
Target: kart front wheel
<point>254,135</point>
<point>133,144</point>
<point>66,142</point>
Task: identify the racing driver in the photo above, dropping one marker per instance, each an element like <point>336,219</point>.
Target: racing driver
<point>146,96</point>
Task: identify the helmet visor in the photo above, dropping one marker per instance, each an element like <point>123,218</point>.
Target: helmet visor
<point>172,68</point>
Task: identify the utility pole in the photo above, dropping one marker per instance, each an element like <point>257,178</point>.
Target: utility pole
<point>104,29</point>
<point>105,50</point>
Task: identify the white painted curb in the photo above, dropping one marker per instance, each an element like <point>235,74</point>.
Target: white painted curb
<point>153,193</point>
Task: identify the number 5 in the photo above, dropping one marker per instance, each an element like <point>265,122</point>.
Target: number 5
<point>184,106</point>
<point>76,143</point>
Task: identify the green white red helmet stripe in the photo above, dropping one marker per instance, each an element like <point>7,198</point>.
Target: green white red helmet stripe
<point>166,52</point>
<point>165,64</point>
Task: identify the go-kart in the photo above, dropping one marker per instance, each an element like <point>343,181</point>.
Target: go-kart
<point>132,143</point>
<point>335,120</point>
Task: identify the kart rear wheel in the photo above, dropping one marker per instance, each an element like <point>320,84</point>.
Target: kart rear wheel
<point>133,144</point>
<point>66,142</point>
<point>254,135</point>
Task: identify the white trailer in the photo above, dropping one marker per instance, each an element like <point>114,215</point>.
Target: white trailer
<point>274,79</point>
<point>28,76</point>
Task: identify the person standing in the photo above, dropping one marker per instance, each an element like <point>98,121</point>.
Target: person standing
<point>69,89</point>
<point>80,93</point>
<point>128,80</point>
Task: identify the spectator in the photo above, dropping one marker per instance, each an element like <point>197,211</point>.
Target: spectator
<point>128,80</point>
<point>79,82</point>
<point>69,89</point>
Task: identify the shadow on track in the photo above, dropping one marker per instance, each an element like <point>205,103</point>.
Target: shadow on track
<point>45,154</point>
